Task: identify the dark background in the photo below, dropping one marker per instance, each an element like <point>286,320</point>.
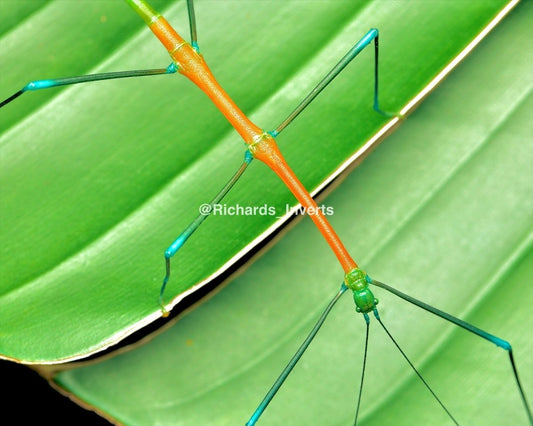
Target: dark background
<point>27,397</point>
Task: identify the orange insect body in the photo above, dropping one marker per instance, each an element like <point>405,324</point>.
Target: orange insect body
<point>262,145</point>
<point>268,152</point>
<point>192,65</point>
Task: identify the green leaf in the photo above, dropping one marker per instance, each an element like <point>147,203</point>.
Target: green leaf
<point>100,178</point>
<point>442,211</point>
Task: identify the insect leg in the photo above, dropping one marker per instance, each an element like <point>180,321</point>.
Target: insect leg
<point>371,35</point>
<point>65,81</point>
<point>195,224</point>
<point>481,333</point>
<point>296,357</point>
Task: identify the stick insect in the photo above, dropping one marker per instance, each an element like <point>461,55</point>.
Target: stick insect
<point>343,257</point>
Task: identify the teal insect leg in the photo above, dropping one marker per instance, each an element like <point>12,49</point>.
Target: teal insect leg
<point>365,302</point>
<point>296,357</point>
<point>193,226</point>
<point>481,333</point>
<point>415,369</point>
<point>65,81</point>
<point>372,35</point>
<point>376,79</point>
<point>192,25</point>
<point>367,321</point>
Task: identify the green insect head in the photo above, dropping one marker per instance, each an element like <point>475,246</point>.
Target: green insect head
<point>362,295</point>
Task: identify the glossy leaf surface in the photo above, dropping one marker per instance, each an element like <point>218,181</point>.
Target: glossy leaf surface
<point>442,211</point>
